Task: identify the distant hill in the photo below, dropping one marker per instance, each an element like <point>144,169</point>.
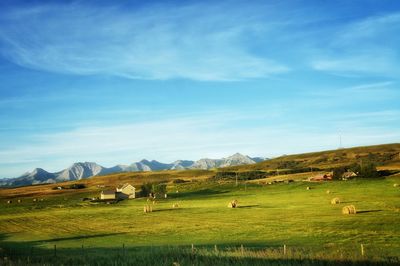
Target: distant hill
<point>82,170</point>
<point>386,156</point>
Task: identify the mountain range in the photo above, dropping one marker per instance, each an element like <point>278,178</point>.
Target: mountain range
<point>83,170</point>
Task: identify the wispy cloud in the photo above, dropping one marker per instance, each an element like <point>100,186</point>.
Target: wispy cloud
<point>197,41</point>
<point>191,137</point>
<point>368,46</point>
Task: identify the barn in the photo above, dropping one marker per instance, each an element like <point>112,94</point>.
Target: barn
<point>107,194</point>
<point>126,191</point>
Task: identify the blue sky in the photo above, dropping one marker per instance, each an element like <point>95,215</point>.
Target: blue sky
<point>117,82</point>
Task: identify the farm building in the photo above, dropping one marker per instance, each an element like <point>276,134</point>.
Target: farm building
<point>321,177</point>
<point>126,191</point>
<point>107,194</point>
<point>348,175</point>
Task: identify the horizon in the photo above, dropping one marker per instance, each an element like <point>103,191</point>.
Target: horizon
<point>113,83</point>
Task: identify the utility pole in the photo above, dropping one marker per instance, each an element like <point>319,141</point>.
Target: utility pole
<point>236,178</point>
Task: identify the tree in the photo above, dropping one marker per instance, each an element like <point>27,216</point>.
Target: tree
<point>159,189</point>
<point>146,189</point>
<point>153,188</point>
<point>338,173</point>
<point>366,169</point>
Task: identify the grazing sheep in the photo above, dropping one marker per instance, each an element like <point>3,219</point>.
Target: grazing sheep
<point>34,200</point>
<point>351,209</point>
<point>335,201</point>
<point>19,201</point>
<point>233,204</point>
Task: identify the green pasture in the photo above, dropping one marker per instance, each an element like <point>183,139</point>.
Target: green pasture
<point>268,217</point>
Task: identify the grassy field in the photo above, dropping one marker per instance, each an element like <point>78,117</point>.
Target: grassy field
<point>59,228</point>
<point>268,217</point>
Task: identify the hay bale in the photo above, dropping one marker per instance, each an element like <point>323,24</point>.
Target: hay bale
<point>328,192</point>
<point>395,185</point>
<point>175,205</point>
<point>335,201</point>
<point>147,208</point>
<point>9,201</point>
<point>233,204</point>
<point>19,201</point>
<point>351,209</point>
<point>308,188</point>
<point>34,200</point>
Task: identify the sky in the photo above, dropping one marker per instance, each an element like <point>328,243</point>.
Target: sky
<point>117,81</point>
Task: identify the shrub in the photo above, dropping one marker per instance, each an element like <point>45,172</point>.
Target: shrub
<point>338,173</point>
<point>366,169</point>
<point>146,189</point>
<point>77,186</point>
<point>178,181</point>
<point>248,175</point>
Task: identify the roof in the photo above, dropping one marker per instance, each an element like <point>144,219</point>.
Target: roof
<point>349,174</point>
<point>108,192</point>
<point>124,186</point>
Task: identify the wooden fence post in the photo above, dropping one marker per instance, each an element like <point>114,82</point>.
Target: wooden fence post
<point>284,249</point>
<point>192,248</point>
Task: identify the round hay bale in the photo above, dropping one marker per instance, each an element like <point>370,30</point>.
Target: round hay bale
<point>233,204</point>
<point>351,209</point>
<point>147,208</point>
<point>395,185</point>
<point>308,188</point>
<point>19,201</point>
<point>328,192</point>
<point>9,201</point>
<point>335,201</point>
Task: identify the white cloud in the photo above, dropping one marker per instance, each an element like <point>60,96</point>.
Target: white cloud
<point>197,42</point>
<point>368,46</point>
<point>191,137</point>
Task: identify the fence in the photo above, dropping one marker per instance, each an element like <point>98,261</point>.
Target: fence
<point>166,255</point>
